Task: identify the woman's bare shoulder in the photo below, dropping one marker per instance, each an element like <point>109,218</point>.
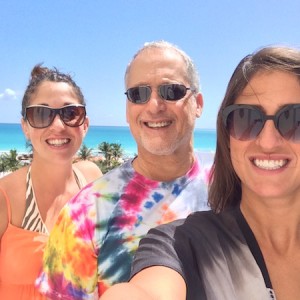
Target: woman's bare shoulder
<point>13,187</point>
<point>88,169</point>
<point>13,179</point>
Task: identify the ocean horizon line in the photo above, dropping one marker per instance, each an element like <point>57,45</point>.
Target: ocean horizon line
<point>125,126</point>
<point>12,138</point>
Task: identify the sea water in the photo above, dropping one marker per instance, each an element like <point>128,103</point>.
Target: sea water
<point>12,137</point>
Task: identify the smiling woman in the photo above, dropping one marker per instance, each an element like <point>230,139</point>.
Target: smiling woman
<point>55,122</point>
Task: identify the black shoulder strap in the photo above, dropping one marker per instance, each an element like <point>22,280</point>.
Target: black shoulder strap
<point>253,245</point>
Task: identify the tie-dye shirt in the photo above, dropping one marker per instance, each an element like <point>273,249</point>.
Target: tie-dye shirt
<point>97,233</point>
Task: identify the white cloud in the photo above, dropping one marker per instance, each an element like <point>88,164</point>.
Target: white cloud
<point>8,94</point>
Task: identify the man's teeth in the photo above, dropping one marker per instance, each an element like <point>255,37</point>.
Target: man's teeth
<point>58,142</point>
<point>270,164</point>
<point>158,124</point>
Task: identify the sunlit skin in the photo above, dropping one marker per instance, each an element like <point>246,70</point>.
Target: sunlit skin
<point>57,143</point>
<point>163,130</point>
<point>270,197</point>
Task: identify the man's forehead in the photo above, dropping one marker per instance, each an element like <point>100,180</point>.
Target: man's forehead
<point>156,62</point>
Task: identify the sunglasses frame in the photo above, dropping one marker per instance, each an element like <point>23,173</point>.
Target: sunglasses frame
<point>57,111</point>
<point>148,87</point>
<point>264,117</point>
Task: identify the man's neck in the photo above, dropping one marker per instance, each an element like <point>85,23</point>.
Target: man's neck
<point>163,167</point>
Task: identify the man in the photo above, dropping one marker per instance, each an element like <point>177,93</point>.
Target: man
<point>92,245</point>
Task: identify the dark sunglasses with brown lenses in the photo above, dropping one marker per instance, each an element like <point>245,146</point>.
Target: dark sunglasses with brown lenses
<point>41,116</point>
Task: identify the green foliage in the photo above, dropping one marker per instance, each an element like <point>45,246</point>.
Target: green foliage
<point>9,161</point>
<point>105,167</point>
<point>85,153</point>
<point>112,153</point>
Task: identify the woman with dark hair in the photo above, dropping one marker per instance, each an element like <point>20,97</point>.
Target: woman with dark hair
<point>248,245</point>
<point>54,121</point>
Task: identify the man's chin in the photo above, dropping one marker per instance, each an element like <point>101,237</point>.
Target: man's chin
<point>160,150</point>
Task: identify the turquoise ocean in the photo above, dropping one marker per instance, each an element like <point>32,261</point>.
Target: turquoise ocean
<point>12,137</point>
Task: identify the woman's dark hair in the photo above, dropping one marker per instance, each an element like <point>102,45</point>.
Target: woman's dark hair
<point>40,74</point>
<point>225,185</point>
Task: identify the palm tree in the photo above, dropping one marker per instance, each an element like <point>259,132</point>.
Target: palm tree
<point>10,161</point>
<point>85,153</point>
<point>116,151</point>
<point>112,153</point>
<point>106,149</point>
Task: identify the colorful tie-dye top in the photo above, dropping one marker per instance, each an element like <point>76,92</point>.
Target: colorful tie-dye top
<point>97,233</point>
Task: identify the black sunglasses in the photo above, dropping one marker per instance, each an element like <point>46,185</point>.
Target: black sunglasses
<point>169,92</point>
<point>41,116</point>
<point>245,122</point>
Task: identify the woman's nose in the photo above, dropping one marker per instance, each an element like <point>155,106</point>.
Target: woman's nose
<point>269,137</point>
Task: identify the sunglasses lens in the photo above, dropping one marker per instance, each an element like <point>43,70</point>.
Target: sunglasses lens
<point>172,92</point>
<point>138,95</point>
<point>288,123</point>
<point>39,116</point>
<point>73,115</point>
<point>244,123</point>
<point>42,116</point>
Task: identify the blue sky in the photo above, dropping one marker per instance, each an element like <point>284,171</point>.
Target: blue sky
<point>94,41</point>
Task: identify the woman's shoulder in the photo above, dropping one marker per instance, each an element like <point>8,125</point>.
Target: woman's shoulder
<point>88,169</point>
<point>211,217</point>
<point>12,189</point>
<point>209,224</point>
<point>13,179</point>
